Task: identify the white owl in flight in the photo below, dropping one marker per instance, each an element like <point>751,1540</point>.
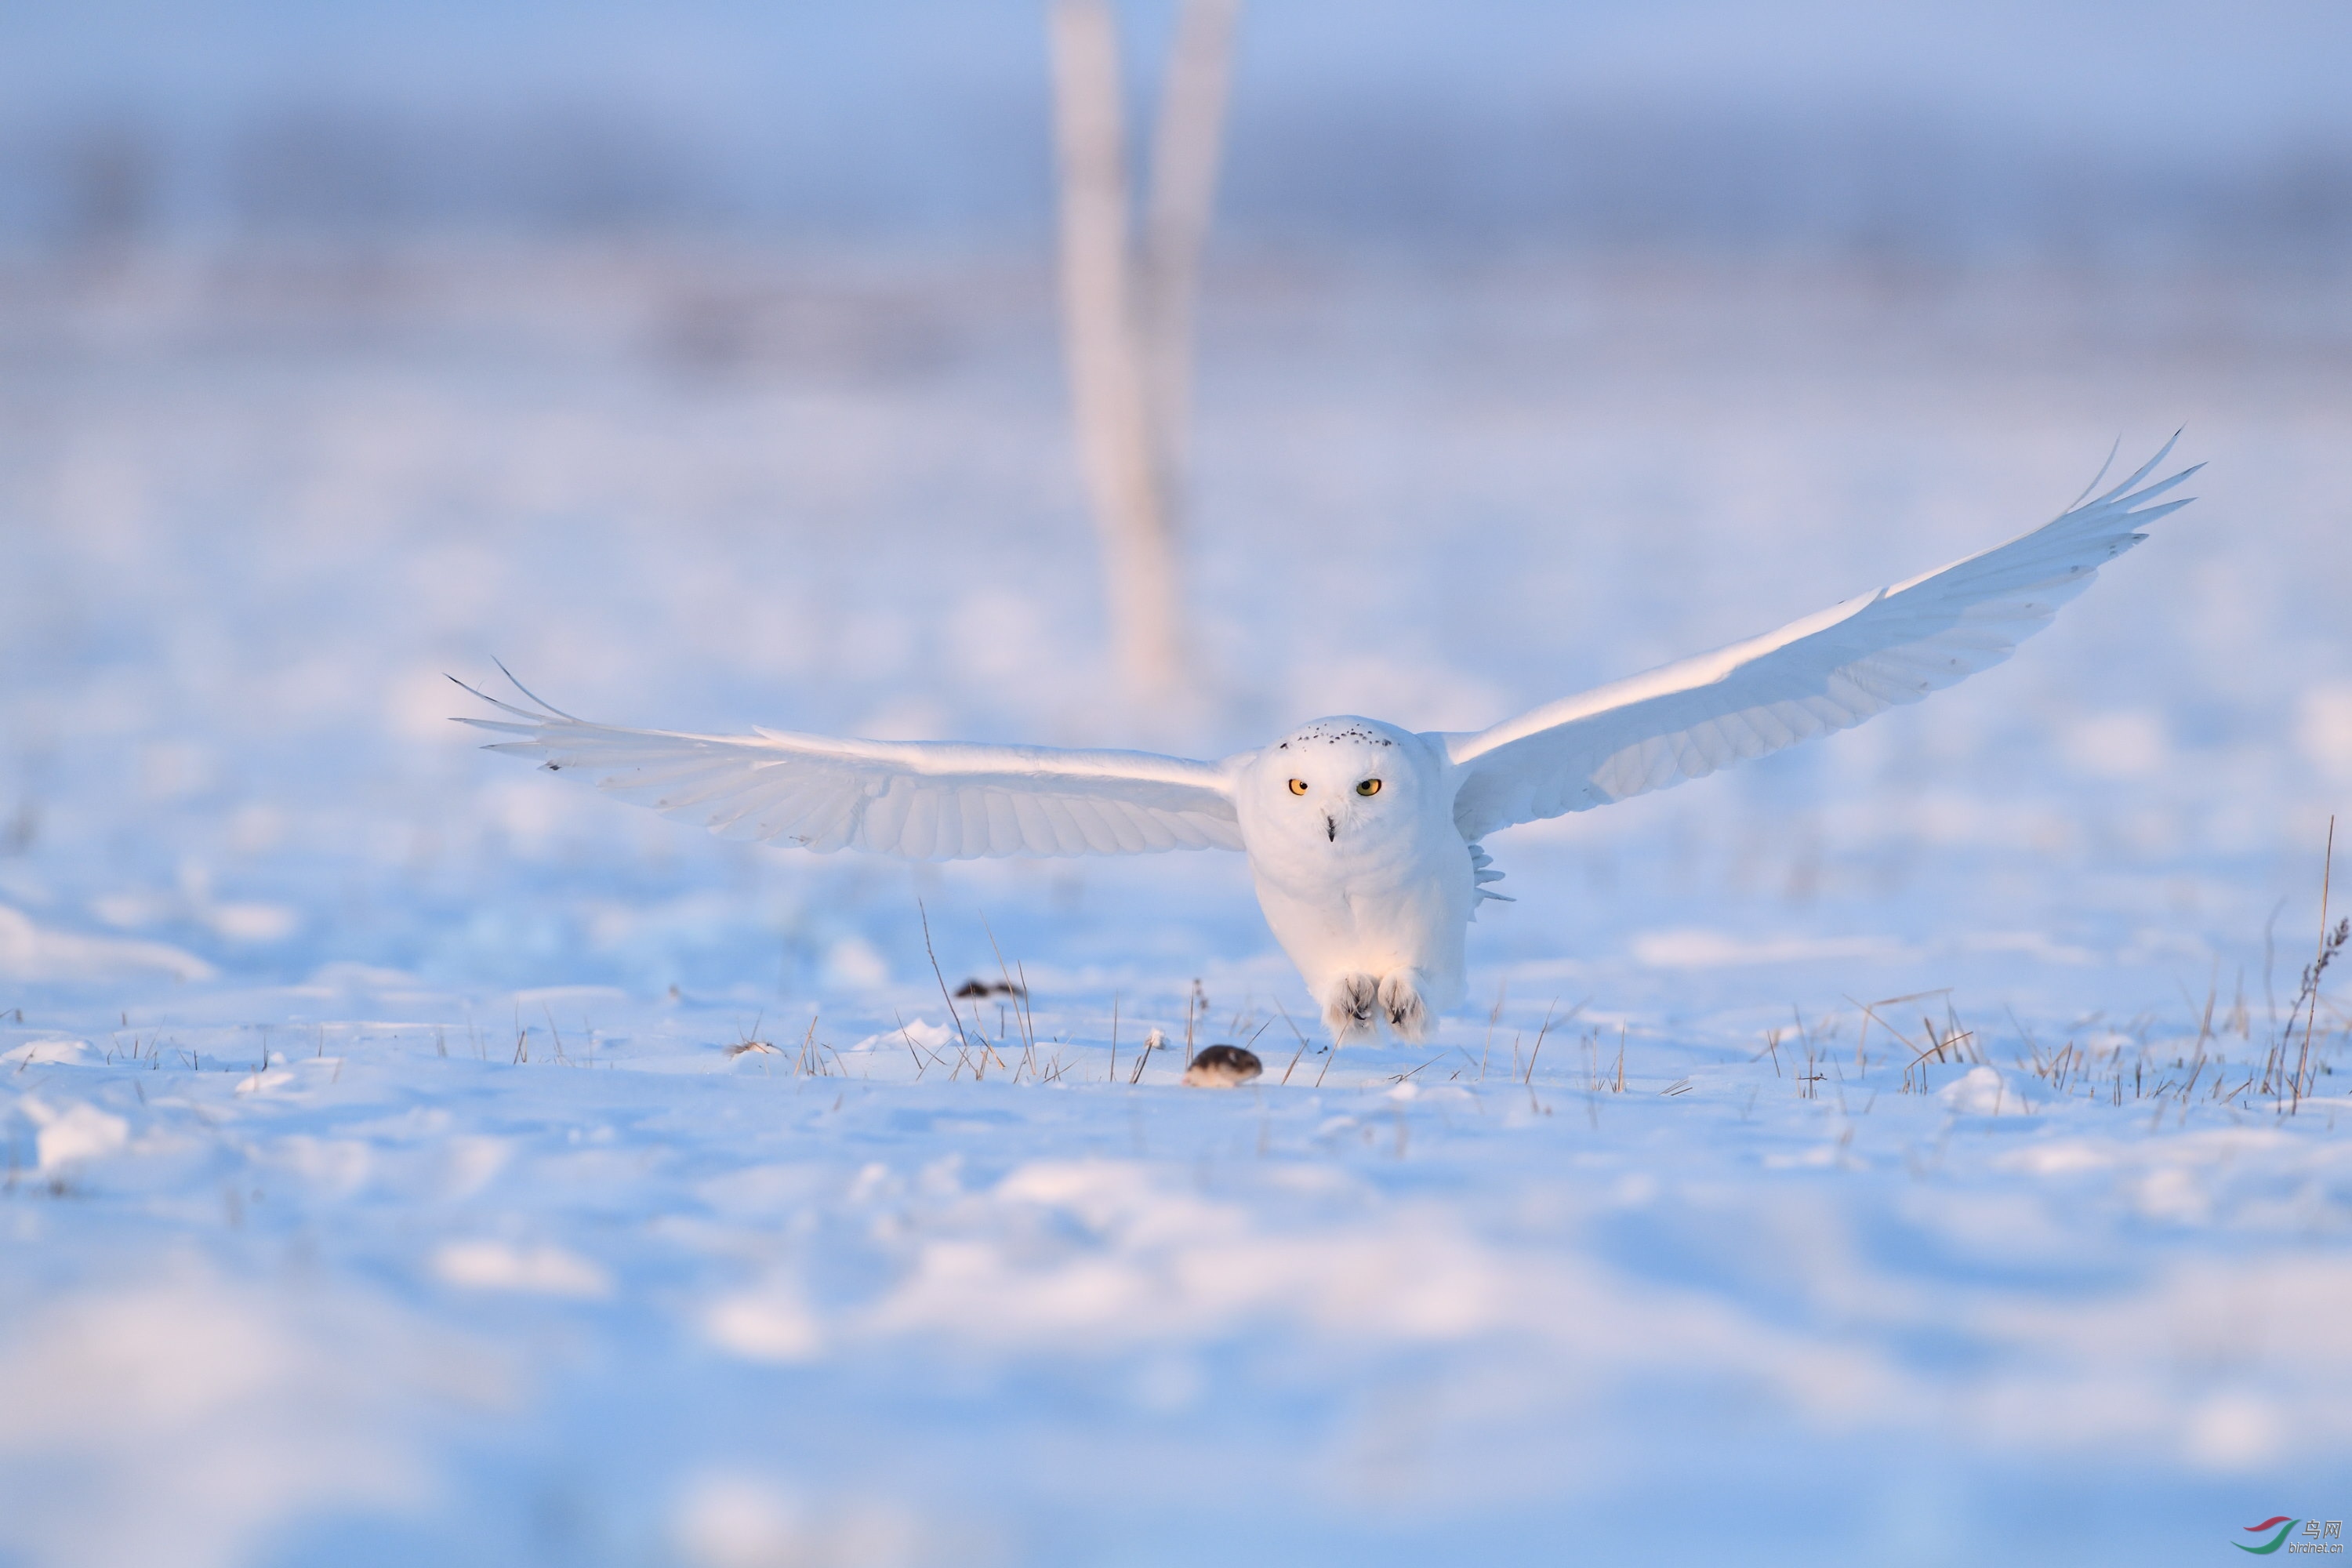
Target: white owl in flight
<point>1366,841</point>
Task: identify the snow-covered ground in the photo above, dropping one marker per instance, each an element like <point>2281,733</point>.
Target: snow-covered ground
<point>389,1179</point>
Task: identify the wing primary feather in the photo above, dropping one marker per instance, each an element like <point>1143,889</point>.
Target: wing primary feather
<point>536,719</point>
<point>2149,467</point>
<point>923,800</point>
<point>527,691</point>
<point>2115,447</point>
<point>1820,673</point>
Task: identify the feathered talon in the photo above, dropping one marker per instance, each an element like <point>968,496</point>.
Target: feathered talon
<point>1352,1005</point>
<point>1408,1015</point>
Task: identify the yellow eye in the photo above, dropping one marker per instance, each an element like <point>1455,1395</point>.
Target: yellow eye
<point>1369,787</point>
<point>1299,787</point>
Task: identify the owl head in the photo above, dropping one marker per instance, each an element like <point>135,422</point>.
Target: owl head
<point>1335,778</point>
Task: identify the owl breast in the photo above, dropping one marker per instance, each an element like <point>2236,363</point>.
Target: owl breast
<point>1349,825</point>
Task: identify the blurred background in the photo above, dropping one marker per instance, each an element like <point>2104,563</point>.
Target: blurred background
<point>2177,136</point>
<point>704,362</point>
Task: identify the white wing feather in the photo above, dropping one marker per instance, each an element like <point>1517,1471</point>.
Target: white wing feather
<point>924,800</point>
<point>1826,672</point>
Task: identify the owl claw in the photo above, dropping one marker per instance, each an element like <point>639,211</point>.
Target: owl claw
<point>1408,1015</point>
<point>1358,1005</point>
<point>1351,1007</point>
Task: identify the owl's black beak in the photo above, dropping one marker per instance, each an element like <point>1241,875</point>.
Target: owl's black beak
<point>1332,827</point>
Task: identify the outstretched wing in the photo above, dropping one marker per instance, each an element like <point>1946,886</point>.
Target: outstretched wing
<point>1828,671</point>
<point>924,800</point>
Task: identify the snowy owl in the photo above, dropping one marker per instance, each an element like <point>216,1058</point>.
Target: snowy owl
<point>1366,842</point>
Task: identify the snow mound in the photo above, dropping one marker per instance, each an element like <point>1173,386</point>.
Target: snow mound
<point>1984,1093</point>
<point>27,952</point>
<point>76,1134</point>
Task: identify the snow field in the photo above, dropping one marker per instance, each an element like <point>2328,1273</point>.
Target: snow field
<point>319,1245</point>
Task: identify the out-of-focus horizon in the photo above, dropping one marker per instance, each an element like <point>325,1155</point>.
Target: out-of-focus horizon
<point>2167,136</point>
<point>704,362</point>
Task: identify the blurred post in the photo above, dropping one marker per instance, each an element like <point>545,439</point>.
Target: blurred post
<point>1129,329</point>
<point>1183,197</point>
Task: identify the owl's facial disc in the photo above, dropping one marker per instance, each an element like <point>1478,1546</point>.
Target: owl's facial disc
<point>1332,774</point>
